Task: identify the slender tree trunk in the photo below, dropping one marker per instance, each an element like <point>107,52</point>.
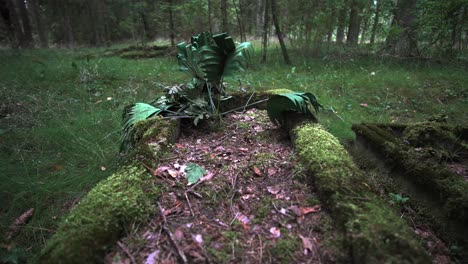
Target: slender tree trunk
<point>239,22</point>
<point>224,15</point>
<point>331,25</point>
<point>260,16</point>
<point>27,34</point>
<point>68,26</point>
<point>341,23</point>
<point>278,31</point>
<point>376,21</point>
<point>171,23</point>
<point>266,23</point>
<point>209,16</point>
<point>354,24</point>
<point>36,15</point>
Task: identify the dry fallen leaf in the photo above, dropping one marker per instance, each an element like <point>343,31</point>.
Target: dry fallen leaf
<point>276,232</point>
<point>20,221</point>
<point>313,209</point>
<point>173,173</point>
<point>257,171</point>
<point>306,244</point>
<point>271,171</point>
<point>273,189</point>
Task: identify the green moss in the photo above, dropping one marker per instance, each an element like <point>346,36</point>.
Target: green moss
<point>108,209</point>
<point>284,249</point>
<point>422,164</point>
<point>101,216</point>
<point>373,232</point>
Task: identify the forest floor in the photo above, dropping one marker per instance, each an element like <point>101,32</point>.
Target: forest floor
<point>252,205</point>
<point>60,114</point>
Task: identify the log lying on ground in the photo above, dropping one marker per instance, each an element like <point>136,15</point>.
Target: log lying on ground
<point>125,198</point>
<point>451,188</point>
<point>373,232</point>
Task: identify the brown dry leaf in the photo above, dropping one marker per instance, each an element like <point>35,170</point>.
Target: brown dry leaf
<point>212,156</point>
<point>273,189</point>
<point>313,209</point>
<point>243,219</point>
<point>306,244</point>
<point>160,170</point>
<point>276,232</point>
<point>296,210</point>
<point>244,149</point>
<point>20,221</point>
<point>173,173</point>
<point>272,171</point>
<point>247,196</point>
<point>257,171</point>
<point>178,235</point>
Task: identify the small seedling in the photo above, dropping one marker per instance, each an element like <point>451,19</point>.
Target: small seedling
<point>398,199</point>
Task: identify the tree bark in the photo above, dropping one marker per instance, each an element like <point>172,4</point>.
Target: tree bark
<point>209,16</point>
<point>5,8</point>
<point>278,32</point>
<point>171,23</point>
<point>376,21</point>
<point>341,23</point>
<point>265,30</point>
<point>224,15</point>
<point>354,24</point>
<point>36,16</point>
<point>27,34</point>
<point>404,43</point>
<point>239,22</point>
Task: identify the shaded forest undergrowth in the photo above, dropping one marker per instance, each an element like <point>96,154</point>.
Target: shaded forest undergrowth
<point>60,115</point>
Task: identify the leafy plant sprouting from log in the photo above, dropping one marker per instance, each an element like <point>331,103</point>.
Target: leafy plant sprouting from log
<point>208,59</point>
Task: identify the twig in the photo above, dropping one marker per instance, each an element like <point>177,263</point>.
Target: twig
<point>189,204</point>
<point>242,107</point>
<point>125,249</point>
<point>171,236</point>
<point>248,101</point>
<point>261,248</point>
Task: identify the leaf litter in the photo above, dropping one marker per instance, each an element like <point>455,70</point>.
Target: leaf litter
<point>246,203</point>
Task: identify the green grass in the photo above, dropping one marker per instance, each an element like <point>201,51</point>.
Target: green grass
<point>63,129</point>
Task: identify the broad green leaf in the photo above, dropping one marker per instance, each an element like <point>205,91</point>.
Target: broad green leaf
<point>299,102</point>
<point>194,172</point>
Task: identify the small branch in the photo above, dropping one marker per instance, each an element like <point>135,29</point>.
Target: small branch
<point>171,236</point>
<point>127,252</point>
<point>189,204</point>
<point>242,107</point>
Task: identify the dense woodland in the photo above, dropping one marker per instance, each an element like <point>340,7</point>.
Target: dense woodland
<point>416,28</point>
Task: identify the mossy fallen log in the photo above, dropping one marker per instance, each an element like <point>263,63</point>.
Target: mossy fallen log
<point>125,198</point>
<point>450,188</point>
<point>374,233</point>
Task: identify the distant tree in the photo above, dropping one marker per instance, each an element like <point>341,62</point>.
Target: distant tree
<point>276,22</point>
<point>265,30</point>
<point>402,37</point>
<point>224,16</point>
<point>376,21</point>
<point>36,15</point>
<point>342,14</point>
<point>354,22</point>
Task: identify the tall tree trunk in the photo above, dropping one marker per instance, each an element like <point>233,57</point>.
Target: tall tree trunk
<point>354,24</point>
<point>171,23</point>
<point>260,16</point>
<point>331,25</point>
<point>239,22</point>
<point>266,23</point>
<point>5,12</point>
<point>278,31</point>
<point>27,34</point>
<point>68,25</point>
<point>376,21</point>
<point>36,16</point>
<point>209,16</point>
<point>404,43</point>
<point>224,16</point>
<point>341,23</point>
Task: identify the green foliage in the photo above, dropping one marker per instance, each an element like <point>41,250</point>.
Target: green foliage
<point>208,59</point>
<point>299,102</point>
<point>194,172</point>
<point>398,199</point>
<point>138,112</point>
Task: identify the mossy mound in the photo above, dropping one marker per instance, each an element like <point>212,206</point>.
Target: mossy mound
<point>374,233</point>
<point>114,204</point>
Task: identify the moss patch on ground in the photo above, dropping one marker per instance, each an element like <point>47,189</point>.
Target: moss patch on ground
<point>373,232</point>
